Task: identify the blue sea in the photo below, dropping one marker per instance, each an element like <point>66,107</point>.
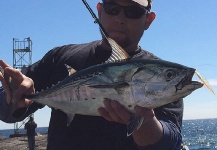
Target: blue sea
<point>197,134</point>
<point>200,134</point>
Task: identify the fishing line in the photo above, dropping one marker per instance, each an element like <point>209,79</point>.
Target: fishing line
<point>205,65</point>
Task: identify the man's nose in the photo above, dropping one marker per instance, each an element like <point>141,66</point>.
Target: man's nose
<point>120,18</point>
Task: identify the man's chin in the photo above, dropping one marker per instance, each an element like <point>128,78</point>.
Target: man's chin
<point>121,42</point>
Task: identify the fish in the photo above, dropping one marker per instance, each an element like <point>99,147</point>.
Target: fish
<point>136,82</point>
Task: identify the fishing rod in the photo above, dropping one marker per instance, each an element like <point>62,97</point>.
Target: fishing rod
<point>96,19</point>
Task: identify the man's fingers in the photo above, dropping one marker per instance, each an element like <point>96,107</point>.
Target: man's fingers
<point>24,103</point>
<point>105,114</point>
<point>122,113</point>
<point>3,64</point>
<point>146,113</point>
<point>26,88</point>
<point>4,83</point>
<point>15,85</point>
<point>6,88</point>
<point>15,74</point>
<point>114,111</point>
<point>111,111</point>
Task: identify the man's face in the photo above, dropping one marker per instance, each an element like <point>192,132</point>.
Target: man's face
<point>124,30</point>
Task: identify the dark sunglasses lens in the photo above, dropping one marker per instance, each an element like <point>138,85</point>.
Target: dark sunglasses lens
<point>111,8</point>
<point>134,12</point>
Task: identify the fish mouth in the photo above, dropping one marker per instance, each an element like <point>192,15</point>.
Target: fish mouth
<point>187,80</point>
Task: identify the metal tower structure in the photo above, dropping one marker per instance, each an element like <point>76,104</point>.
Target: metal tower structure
<point>22,53</point>
<point>22,57</point>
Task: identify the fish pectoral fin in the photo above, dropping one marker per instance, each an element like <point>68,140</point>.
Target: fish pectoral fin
<point>70,118</point>
<point>134,123</point>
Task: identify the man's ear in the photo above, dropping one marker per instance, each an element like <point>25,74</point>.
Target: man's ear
<point>149,19</point>
<point>99,9</point>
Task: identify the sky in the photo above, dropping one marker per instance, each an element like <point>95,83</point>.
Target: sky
<point>183,32</point>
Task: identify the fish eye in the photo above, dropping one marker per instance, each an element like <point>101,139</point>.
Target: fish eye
<point>170,74</point>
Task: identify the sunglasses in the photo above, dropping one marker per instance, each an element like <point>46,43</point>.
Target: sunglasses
<point>133,12</point>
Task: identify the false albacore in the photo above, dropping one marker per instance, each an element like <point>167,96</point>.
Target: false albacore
<point>146,83</point>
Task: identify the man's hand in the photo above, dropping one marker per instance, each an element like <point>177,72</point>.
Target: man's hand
<point>150,131</point>
<point>113,111</point>
<point>16,85</point>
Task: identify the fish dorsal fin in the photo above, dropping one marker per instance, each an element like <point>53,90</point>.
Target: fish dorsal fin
<point>118,53</point>
<point>70,69</point>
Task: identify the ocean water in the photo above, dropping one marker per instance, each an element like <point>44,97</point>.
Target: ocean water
<point>200,134</point>
<point>197,134</point>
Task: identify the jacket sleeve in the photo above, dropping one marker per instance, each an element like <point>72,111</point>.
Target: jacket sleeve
<point>170,117</point>
<point>171,139</point>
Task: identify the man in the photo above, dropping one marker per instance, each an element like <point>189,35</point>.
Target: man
<point>125,22</point>
<point>30,129</point>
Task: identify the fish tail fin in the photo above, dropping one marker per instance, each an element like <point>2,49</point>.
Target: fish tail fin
<point>135,123</point>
